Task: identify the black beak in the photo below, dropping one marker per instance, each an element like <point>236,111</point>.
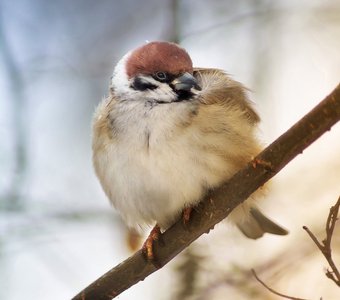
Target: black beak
<point>185,82</point>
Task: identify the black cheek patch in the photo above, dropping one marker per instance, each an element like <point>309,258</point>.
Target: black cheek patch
<point>141,85</point>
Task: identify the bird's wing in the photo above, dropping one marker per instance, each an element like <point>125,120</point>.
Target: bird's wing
<point>219,88</point>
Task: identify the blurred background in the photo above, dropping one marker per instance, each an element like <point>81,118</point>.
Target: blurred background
<point>58,232</point>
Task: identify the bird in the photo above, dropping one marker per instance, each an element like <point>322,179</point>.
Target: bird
<point>167,133</point>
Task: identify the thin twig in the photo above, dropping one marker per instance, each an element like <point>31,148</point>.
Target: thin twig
<point>325,246</point>
<point>272,290</point>
<point>219,203</point>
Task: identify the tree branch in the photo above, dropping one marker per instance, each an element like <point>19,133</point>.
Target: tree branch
<point>218,204</point>
<point>272,290</point>
<point>325,246</point>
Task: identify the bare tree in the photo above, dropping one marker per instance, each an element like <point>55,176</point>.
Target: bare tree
<point>16,87</point>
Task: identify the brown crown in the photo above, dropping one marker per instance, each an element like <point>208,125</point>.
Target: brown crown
<point>159,56</point>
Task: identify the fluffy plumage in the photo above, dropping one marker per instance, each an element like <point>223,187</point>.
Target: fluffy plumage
<point>168,132</point>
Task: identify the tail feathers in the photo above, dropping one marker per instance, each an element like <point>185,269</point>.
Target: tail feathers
<point>257,224</point>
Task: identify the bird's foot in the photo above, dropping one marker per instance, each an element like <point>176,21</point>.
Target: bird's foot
<point>133,239</point>
<point>147,248</point>
<point>186,214</point>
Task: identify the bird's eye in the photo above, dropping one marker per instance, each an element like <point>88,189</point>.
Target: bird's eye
<point>161,76</point>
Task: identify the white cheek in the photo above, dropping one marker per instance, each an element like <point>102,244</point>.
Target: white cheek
<point>120,81</point>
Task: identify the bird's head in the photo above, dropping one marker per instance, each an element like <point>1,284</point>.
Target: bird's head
<point>160,72</point>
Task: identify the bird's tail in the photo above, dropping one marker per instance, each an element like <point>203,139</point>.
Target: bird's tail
<point>256,224</point>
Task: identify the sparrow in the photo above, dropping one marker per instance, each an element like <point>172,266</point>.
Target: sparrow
<point>167,133</point>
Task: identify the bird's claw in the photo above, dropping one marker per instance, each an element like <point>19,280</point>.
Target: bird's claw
<point>147,248</point>
<point>186,216</point>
